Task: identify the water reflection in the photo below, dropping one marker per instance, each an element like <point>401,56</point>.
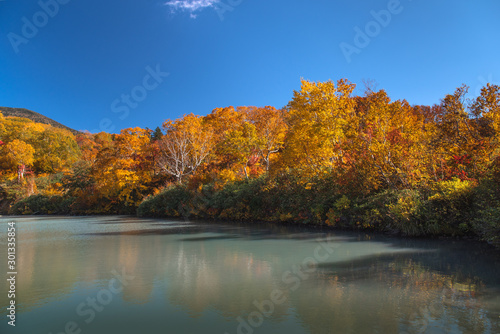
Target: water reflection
<point>212,274</point>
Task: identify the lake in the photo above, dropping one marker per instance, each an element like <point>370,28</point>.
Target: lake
<point>128,275</point>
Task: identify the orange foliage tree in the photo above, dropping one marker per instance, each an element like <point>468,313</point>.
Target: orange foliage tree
<point>185,146</point>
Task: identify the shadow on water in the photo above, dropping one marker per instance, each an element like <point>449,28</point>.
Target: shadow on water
<point>198,239</point>
<point>257,231</point>
<point>464,259</point>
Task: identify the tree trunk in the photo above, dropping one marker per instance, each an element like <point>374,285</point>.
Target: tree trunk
<point>20,173</point>
<point>245,170</point>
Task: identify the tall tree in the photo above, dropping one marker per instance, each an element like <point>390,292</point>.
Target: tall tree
<point>185,146</point>
<point>487,106</point>
<point>123,168</point>
<point>157,134</point>
<point>320,117</point>
<point>389,149</point>
<point>241,144</point>
<point>56,150</point>
<point>271,130</point>
<point>458,137</point>
<point>19,154</point>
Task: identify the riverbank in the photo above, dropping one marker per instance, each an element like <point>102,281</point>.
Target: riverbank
<point>455,208</point>
<point>450,208</point>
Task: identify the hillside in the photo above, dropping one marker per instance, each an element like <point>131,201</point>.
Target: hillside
<point>35,117</point>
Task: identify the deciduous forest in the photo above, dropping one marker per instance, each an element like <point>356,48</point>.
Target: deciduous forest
<point>327,158</point>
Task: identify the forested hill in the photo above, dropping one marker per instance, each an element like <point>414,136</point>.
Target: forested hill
<point>35,117</point>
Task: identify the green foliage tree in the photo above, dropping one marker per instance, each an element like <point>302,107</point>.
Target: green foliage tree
<point>157,134</point>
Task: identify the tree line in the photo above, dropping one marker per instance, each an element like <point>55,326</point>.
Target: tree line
<point>359,146</point>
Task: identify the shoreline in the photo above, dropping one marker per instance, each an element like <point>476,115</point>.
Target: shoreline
<point>290,224</point>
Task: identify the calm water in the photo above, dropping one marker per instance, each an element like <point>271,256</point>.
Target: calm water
<point>125,275</point>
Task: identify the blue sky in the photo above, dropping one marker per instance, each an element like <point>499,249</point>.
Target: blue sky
<point>82,61</point>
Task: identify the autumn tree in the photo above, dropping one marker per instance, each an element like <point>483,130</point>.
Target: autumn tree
<point>21,154</point>
<point>88,146</point>
<point>461,148</point>
<point>2,126</point>
<point>246,139</point>
<point>185,146</point>
<point>16,128</point>
<point>56,149</point>
<point>271,130</point>
<point>122,170</point>
<point>454,121</point>
<point>241,144</point>
<point>389,150</point>
<point>487,108</point>
<point>320,118</point>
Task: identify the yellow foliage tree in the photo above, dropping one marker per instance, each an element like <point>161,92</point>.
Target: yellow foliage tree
<point>19,153</point>
<point>320,117</point>
<point>241,144</point>
<point>2,126</point>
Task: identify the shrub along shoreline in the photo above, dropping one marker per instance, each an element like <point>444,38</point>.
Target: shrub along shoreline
<point>454,208</point>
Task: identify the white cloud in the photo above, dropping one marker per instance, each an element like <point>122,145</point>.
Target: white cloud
<point>190,5</point>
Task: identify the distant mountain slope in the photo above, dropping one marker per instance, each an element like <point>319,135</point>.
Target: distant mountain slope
<point>35,117</point>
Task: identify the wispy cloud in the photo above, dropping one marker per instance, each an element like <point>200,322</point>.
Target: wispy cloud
<point>190,5</point>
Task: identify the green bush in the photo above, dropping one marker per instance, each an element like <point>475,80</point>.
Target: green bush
<point>44,205</point>
<point>10,192</point>
<point>486,223</point>
<point>172,202</point>
<point>449,208</point>
<point>403,213</point>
